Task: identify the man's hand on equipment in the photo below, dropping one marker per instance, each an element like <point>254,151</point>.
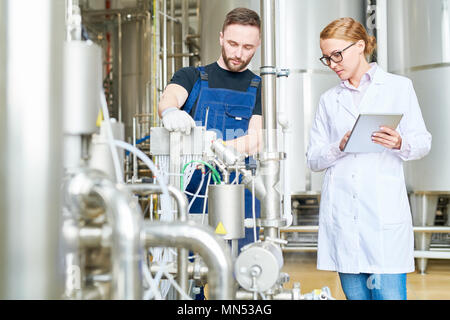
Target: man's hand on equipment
<point>175,119</point>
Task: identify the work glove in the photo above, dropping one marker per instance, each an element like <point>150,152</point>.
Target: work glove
<point>175,119</point>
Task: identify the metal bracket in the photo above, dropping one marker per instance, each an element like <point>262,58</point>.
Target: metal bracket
<point>283,73</point>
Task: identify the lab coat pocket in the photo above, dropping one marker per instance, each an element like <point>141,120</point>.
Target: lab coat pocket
<point>392,200</point>
<point>398,247</point>
<point>343,198</point>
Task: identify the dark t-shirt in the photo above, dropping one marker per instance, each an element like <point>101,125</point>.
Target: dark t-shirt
<point>218,78</point>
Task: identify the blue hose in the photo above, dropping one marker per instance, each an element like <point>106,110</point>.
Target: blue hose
<point>138,142</point>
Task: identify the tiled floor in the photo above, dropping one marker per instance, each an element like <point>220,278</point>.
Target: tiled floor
<point>435,285</point>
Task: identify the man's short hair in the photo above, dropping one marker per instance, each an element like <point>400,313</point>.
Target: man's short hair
<point>242,16</point>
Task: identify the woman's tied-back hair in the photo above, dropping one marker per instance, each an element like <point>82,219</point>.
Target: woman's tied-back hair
<point>242,16</point>
<point>350,30</point>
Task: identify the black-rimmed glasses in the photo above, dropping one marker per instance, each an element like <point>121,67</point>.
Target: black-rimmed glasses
<point>336,57</point>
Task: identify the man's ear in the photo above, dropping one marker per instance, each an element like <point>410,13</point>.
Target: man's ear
<point>221,38</point>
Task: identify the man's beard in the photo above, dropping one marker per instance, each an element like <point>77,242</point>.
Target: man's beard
<point>232,67</point>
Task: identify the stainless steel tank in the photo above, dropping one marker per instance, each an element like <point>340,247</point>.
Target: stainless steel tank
<point>226,210</point>
<point>298,25</point>
<point>419,48</point>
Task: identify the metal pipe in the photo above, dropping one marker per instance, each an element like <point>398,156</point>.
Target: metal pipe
<point>269,158</point>
<point>126,218</point>
<point>172,36</point>
<point>185,30</point>
<point>135,162</point>
<point>180,198</point>
<point>31,143</point>
<point>300,229</point>
<point>119,58</point>
<point>430,229</point>
<point>72,262</point>
<point>180,55</point>
<point>149,73</point>
<point>431,254</point>
<point>299,249</point>
<point>164,43</point>
<point>111,12</point>
<point>91,188</point>
<point>268,74</point>
<point>182,205</point>
<point>200,239</point>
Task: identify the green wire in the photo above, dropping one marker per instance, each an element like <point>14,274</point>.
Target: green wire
<point>215,174</point>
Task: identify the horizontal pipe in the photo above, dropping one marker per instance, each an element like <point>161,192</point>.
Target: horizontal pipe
<point>110,12</point>
<point>299,249</point>
<point>431,254</point>
<point>431,229</point>
<point>200,239</point>
<point>427,229</point>
<point>300,229</point>
<point>146,189</point>
<point>181,55</point>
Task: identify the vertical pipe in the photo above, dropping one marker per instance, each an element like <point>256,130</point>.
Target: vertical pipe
<point>3,146</point>
<point>135,162</point>
<point>31,141</point>
<point>175,167</point>
<point>283,108</point>
<point>185,30</point>
<point>164,43</point>
<point>147,125</point>
<point>158,59</point>
<point>172,34</point>
<point>268,72</point>
<point>154,63</point>
<point>270,165</point>
<point>119,58</point>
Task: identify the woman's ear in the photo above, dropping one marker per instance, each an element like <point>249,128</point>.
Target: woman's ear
<point>361,46</point>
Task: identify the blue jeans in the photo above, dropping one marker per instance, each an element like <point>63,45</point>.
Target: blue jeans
<point>366,286</point>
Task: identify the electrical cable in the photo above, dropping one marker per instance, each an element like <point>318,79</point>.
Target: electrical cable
<point>165,197</point>
<point>216,176</point>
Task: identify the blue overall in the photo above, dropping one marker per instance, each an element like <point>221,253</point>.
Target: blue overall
<point>227,112</point>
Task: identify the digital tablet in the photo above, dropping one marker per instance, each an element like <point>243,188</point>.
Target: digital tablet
<point>360,139</point>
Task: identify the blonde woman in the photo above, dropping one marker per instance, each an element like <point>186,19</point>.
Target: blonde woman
<point>365,227</point>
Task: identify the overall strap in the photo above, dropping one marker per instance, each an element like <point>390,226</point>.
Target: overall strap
<point>202,82</point>
<point>254,85</point>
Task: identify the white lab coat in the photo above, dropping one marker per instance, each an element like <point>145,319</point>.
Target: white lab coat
<point>365,223</point>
